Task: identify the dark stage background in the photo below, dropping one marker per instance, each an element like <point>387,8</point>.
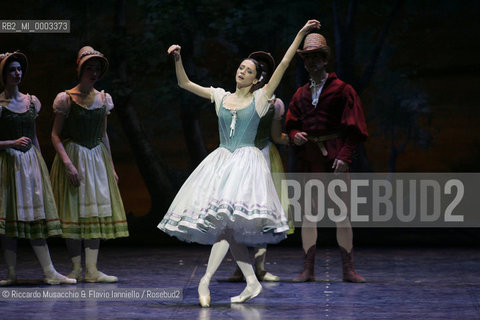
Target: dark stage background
<point>414,63</point>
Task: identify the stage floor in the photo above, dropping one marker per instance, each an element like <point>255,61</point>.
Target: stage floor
<point>403,283</point>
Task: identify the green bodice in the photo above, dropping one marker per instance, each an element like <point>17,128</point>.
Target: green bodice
<point>85,127</point>
<point>245,128</point>
<point>264,129</point>
<point>16,125</point>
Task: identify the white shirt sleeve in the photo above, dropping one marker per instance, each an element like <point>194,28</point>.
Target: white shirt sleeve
<point>261,101</point>
<point>108,102</point>
<point>216,96</point>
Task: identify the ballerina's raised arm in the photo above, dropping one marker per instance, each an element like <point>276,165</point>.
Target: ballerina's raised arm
<point>204,92</point>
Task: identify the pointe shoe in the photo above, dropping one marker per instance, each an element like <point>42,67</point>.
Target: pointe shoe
<point>267,276</point>
<point>204,293</point>
<point>250,292</point>
<point>11,278</point>
<point>76,274</point>
<point>8,282</point>
<point>204,301</point>
<point>99,276</point>
<point>56,279</point>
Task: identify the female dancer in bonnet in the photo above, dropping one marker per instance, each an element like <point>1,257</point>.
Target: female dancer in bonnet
<point>229,200</point>
<point>83,177</point>
<point>27,206</point>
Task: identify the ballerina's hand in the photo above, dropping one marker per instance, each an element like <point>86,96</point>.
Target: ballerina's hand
<point>72,175</point>
<point>21,142</point>
<point>175,50</point>
<point>311,24</point>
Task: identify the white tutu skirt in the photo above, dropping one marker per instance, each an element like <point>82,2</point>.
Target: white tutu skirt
<point>228,193</point>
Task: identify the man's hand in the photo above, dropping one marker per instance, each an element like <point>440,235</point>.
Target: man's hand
<point>300,138</point>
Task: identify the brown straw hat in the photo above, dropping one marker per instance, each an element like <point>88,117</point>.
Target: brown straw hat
<point>314,43</point>
<point>86,53</point>
<point>266,61</point>
<point>7,57</point>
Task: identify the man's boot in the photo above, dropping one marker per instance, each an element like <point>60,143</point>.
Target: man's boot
<point>349,273</point>
<point>308,273</point>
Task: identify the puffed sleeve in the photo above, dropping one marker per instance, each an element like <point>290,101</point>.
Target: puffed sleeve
<point>353,119</point>
<point>61,104</point>
<point>353,115</point>
<point>37,104</point>
<point>216,96</point>
<point>261,101</point>
<point>279,109</point>
<point>108,102</point>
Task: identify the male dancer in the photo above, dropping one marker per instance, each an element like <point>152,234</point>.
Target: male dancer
<point>326,121</point>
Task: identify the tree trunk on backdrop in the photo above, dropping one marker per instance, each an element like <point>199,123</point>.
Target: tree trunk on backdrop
<point>345,50</point>
<point>153,172</point>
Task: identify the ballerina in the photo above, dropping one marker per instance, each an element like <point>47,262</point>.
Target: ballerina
<point>269,129</point>
<point>230,200</point>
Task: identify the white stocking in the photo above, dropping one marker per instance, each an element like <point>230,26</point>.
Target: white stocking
<point>74,247</point>
<point>91,254</point>
<point>40,248</point>
<point>52,277</point>
<point>218,252</point>
<point>240,253</point>
<point>260,253</point>
<point>241,256</point>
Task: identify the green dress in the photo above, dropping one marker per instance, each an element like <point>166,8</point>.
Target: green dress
<point>94,209</point>
<point>27,206</point>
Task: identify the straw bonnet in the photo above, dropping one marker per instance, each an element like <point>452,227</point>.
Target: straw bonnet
<point>314,42</point>
<point>266,60</point>
<point>86,53</point>
<point>7,57</point>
